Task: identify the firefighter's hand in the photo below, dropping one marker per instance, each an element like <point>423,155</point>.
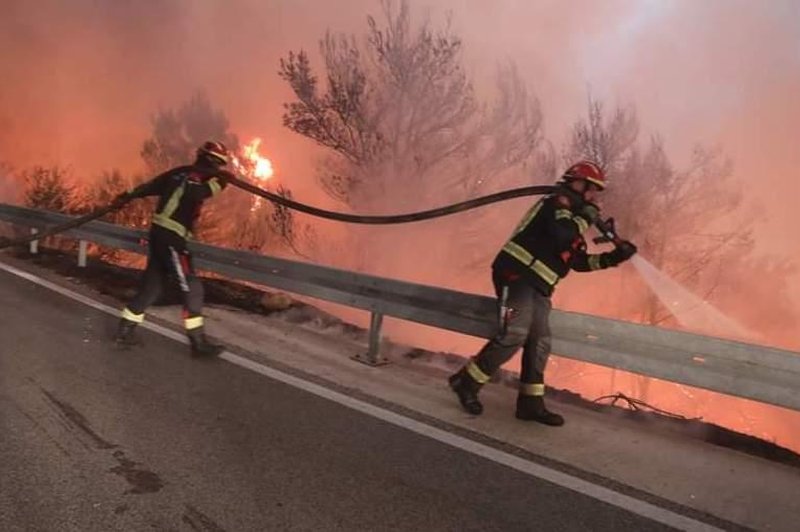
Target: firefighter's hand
<point>224,176</point>
<point>590,212</point>
<point>625,250</point>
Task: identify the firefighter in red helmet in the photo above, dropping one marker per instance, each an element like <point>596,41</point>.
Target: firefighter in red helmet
<point>181,192</point>
<point>543,248</point>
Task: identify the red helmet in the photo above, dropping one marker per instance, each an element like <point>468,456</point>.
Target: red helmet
<point>216,151</point>
<point>586,171</point>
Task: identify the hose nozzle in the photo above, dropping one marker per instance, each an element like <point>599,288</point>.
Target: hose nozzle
<point>608,232</point>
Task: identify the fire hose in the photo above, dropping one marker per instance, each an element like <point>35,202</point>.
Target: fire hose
<point>606,227</point>
<point>72,224</point>
<point>534,190</point>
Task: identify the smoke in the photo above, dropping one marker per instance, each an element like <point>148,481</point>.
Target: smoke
<point>82,77</point>
<point>9,187</point>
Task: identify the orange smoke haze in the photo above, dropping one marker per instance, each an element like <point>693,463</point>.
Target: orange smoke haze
<point>81,80</point>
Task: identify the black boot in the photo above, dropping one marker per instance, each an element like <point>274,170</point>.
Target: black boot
<point>126,334</point>
<point>467,390</point>
<point>531,408</point>
<point>201,347</point>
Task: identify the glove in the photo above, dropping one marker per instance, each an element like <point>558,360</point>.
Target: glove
<point>627,250</point>
<point>590,212</point>
<point>225,175</point>
<point>624,251</point>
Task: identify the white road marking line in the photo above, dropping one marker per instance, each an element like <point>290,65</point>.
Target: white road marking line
<point>90,302</point>
<point>553,476</point>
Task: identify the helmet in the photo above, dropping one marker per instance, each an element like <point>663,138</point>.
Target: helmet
<point>586,171</point>
<point>216,152</point>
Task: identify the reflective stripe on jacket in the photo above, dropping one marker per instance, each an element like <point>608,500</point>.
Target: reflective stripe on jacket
<point>546,244</point>
<point>181,192</point>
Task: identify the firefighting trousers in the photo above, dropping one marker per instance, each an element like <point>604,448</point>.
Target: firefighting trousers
<point>168,260</point>
<point>524,321</point>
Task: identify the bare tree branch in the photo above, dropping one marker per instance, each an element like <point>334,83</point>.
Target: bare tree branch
<point>401,115</point>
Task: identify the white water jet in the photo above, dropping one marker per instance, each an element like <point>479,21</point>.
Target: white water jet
<point>691,311</point>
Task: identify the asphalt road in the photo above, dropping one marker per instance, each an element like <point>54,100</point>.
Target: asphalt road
<point>92,438</point>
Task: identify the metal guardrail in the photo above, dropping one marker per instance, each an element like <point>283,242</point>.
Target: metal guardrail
<point>735,368</point>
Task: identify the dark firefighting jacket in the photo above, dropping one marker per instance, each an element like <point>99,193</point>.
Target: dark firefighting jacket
<point>547,244</point>
<point>181,192</point>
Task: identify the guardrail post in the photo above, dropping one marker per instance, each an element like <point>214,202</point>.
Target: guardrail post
<point>373,356</point>
<point>82,253</point>
<point>34,243</point>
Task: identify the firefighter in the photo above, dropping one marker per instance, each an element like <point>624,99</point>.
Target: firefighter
<point>546,244</point>
<point>181,192</point>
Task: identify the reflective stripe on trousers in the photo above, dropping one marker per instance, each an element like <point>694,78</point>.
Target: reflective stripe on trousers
<point>168,260</point>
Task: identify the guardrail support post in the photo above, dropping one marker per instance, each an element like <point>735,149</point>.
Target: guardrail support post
<point>34,243</point>
<point>373,356</point>
<point>82,253</point>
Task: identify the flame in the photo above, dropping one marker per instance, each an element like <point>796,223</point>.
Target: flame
<point>252,163</point>
<point>253,166</point>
